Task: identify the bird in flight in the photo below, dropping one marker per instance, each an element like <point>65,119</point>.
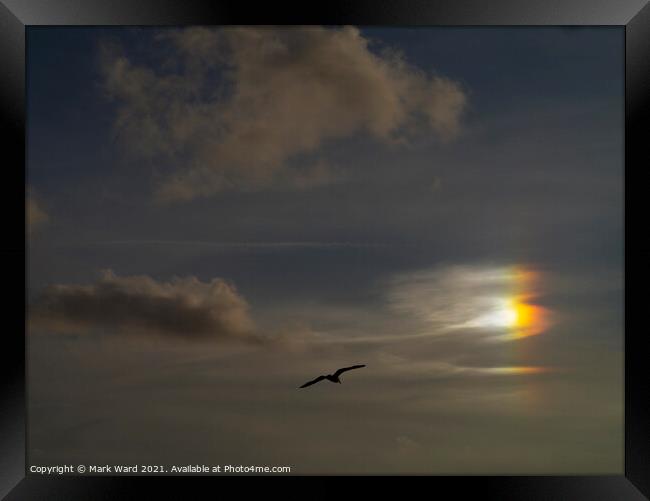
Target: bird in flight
<point>334,378</point>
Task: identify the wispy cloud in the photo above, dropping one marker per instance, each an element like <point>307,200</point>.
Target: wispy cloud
<point>279,93</point>
<point>494,302</point>
<point>244,245</point>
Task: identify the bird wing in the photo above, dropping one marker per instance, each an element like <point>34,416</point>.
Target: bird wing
<point>341,371</point>
<point>313,381</point>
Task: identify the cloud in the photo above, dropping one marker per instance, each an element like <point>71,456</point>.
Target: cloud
<point>496,303</point>
<point>237,107</point>
<point>36,216</point>
<point>184,308</point>
<point>306,176</point>
<point>446,369</point>
<point>446,366</point>
<point>249,245</point>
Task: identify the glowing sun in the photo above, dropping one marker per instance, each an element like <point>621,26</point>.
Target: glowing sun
<point>514,312</point>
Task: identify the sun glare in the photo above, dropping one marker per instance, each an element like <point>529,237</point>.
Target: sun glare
<point>529,319</point>
<point>504,315</point>
<point>515,313</point>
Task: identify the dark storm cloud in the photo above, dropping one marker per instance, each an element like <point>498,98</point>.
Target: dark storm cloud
<point>281,93</point>
<point>184,308</point>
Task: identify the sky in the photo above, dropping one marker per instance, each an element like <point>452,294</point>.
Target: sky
<point>218,215</point>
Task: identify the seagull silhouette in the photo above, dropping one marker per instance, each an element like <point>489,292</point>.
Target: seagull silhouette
<point>334,378</point>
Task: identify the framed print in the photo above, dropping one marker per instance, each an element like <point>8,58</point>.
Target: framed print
<point>361,239</point>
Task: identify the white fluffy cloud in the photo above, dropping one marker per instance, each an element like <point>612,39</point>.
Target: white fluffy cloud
<point>233,108</point>
<point>184,308</point>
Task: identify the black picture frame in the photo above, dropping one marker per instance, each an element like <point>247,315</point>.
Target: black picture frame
<point>16,15</point>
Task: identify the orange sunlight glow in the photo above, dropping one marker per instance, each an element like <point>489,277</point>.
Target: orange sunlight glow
<point>528,319</point>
